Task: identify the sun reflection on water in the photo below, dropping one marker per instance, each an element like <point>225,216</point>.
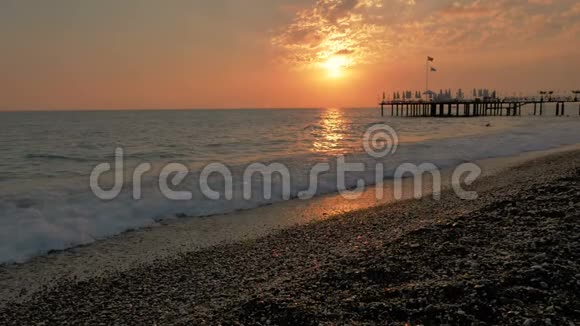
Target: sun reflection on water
<point>331,132</point>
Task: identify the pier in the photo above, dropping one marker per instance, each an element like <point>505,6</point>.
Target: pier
<point>477,107</point>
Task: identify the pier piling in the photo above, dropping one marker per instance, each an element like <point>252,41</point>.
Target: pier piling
<point>563,109</point>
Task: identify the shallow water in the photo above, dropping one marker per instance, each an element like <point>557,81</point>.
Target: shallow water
<point>46,203</point>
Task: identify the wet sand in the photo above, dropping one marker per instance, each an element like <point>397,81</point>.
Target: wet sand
<point>286,272</point>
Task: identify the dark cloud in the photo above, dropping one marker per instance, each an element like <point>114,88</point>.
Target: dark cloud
<point>344,52</point>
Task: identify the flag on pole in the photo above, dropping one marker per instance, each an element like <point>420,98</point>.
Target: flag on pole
<point>430,59</point>
<point>433,69</point>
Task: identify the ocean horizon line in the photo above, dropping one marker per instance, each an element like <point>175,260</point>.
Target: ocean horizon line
<point>186,109</point>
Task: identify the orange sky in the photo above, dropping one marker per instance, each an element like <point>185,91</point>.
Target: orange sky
<point>148,54</point>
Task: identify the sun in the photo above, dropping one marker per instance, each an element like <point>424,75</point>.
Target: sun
<point>335,65</point>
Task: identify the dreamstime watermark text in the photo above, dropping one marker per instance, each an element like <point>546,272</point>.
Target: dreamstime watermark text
<point>379,142</point>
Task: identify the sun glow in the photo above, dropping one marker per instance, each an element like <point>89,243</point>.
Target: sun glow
<point>336,65</point>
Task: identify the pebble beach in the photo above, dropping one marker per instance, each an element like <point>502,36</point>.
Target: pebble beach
<point>511,257</point>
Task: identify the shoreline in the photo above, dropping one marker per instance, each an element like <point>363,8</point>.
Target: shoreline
<point>175,237</point>
<point>410,261</point>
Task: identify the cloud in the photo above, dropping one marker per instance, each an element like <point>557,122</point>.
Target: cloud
<point>541,2</point>
<point>344,52</point>
<point>364,30</point>
<point>332,27</point>
<point>468,10</point>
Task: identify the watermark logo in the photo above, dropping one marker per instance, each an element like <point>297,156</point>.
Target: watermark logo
<point>379,141</point>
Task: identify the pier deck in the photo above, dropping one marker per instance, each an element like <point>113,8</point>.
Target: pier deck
<point>476,107</point>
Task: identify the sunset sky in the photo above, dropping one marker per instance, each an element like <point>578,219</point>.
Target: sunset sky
<point>146,54</point>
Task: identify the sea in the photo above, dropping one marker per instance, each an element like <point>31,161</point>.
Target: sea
<point>47,158</point>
